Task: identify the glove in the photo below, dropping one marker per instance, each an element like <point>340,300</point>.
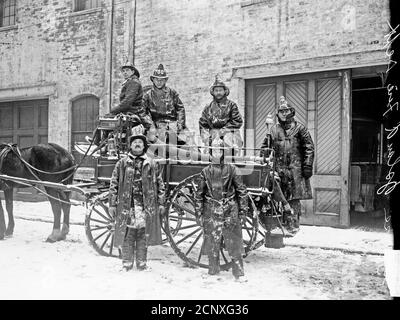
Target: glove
<point>112,211</point>
<point>307,172</point>
<point>162,211</point>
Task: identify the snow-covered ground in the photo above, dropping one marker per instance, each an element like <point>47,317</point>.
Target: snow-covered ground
<point>71,269</point>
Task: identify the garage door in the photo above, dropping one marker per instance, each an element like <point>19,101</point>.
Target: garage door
<point>24,123</point>
<point>322,105</point>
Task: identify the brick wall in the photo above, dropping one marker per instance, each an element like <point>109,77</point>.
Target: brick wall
<point>52,46</point>
<point>195,39</point>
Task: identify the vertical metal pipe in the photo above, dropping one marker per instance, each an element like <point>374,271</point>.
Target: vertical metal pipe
<point>111,54</point>
<point>134,33</point>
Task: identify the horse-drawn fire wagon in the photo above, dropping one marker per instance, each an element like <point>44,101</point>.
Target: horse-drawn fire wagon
<point>181,165</point>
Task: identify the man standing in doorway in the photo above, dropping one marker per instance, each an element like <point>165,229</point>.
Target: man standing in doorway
<point>294,156</point>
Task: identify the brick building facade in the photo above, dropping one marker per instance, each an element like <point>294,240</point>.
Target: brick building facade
<point>318,53</point>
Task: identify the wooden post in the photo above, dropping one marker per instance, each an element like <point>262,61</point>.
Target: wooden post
<point>346,134</point>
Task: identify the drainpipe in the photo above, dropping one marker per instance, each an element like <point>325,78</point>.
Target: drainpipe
<point>134,33</point>
<point>111,54</point>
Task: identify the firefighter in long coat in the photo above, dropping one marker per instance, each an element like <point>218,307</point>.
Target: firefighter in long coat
<point>136,198</point>
<point>294,155</point>
<point>165,106</point>
<point>221,117</point>
<point>221,205</point>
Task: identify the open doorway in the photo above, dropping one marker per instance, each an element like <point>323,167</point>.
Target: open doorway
<point>368,153</point>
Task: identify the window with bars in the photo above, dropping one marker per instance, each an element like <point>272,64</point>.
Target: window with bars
<point>81,5</point>
<point>7,12</point>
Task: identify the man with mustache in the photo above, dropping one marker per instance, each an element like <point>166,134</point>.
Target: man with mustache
<point>221,118</point>
<point>165,106</point>
<point>136,198</point>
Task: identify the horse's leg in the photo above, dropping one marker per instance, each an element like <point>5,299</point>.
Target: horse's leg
<point>9,197</point>
<point>56,207</point>
<point>2,222</point>
<point>66,209</point>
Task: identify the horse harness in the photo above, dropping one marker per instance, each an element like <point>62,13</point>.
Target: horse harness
<point>3,154</point>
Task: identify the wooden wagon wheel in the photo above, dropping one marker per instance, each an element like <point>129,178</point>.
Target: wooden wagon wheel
<point>187,241</point>
<point>100,227</point>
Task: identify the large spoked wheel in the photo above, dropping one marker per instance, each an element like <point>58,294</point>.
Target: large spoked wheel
<point>100,227</point>
<point>186,235</point>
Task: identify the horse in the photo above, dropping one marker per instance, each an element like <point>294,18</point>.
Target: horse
<point>45,162</point>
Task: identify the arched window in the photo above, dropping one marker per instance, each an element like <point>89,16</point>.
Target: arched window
<point>85,111</point>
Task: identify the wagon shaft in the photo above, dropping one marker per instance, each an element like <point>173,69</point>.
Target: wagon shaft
<point>28,182</point>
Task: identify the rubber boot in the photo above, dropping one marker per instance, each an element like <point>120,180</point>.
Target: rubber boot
<point>141,249</point>
<point>127,265</point>
<point>237,268</point>
<point>213,263</point>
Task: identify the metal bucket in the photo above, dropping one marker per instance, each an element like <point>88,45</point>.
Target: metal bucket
<point>274,240</point>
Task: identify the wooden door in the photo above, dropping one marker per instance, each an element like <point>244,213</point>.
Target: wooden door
<point>26,124</point>
<point>322,103</point>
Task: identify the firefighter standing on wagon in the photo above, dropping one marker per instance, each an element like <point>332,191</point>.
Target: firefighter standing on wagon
<point>294,155</point>
<point>221,117</point>
<point>221,205</point>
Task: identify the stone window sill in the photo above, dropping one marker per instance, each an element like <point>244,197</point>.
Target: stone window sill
<point>83,12</point>
<point>14,26</point>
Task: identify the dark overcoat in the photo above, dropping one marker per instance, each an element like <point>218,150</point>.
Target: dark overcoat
<point>221,118</point>
<point>294,149</point>
<point>131,101</point>
<point>165,104</point>
<point>120,195</point>
<point>222,199</point>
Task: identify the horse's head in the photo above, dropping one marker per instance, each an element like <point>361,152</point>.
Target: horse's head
<point>8,146</point>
